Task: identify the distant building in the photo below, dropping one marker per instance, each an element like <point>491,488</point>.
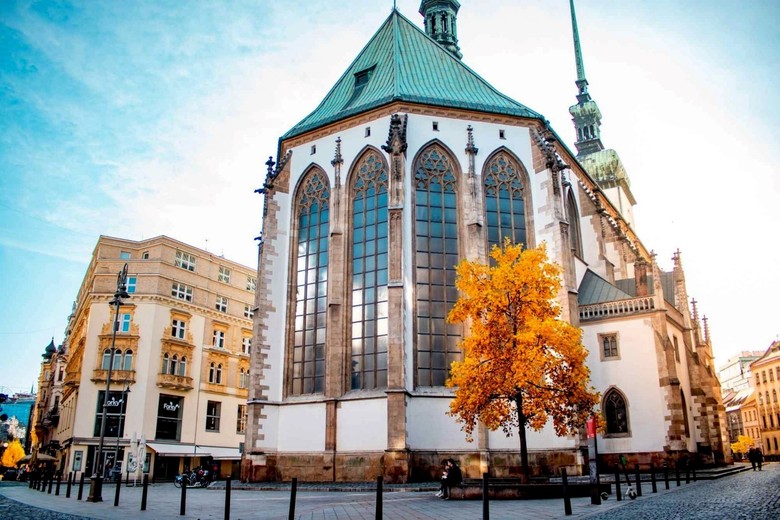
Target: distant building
<point>180,369</point>
<point>735,372</point>
<point>766,378</point>
<point>19,409</point>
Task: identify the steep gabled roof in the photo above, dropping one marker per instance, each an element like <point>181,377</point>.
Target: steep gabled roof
<point>401,63</point>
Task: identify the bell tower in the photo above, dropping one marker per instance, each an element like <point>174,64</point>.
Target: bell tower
<point>441,23</point>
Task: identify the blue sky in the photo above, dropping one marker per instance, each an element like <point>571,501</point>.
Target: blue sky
<point>141,118</point>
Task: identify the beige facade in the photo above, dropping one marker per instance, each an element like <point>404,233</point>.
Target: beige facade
<point>180,369</point>
<point>766,380</point>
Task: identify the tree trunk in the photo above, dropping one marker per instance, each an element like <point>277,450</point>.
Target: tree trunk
<point>525,477</point>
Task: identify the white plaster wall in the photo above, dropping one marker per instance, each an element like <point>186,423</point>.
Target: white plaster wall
<point>269,428</point>
<point>544,439</point>
<point>302,427</point>
<point>429,428</point>
<point>362,425</point>
<point>636,375</point>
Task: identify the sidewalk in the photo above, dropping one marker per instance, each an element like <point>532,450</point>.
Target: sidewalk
<point>163,502</point>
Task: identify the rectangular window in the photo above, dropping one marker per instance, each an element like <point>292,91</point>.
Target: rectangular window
<point>609,346</point>
<point>241,419</point>
<point>124,323</point>
<point>213,409</point>
<point>185,260</point>
<point>145,255</point>
<point>169,417</point>
<point>222,302</point>
<point>115,409</point>
<point>124,255</point>
<point>246,345</point>
<point>218,339</point>
<point>243,378</point>
<point>224,275</point>
<point>248,312</point>
<point>131,283</point>
<point>178,329</point>
<point>181,291</point>
<point>251,283</point>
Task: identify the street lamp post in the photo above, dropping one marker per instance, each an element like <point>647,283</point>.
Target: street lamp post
<point>96,486</point>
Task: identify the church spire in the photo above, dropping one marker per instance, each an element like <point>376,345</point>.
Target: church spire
<point>441,23</point>
<point>585,114</point>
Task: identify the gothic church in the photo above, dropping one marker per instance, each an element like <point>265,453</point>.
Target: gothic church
<point>411,163</point>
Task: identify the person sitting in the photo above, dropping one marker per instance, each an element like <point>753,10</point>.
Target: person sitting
<point>451,476</point>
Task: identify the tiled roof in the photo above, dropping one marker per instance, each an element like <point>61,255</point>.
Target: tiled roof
<point>401,63</point>
<point>595,289</point>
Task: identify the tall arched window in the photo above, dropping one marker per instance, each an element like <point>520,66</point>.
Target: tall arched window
<point>212,375</point>
<point>183,366</point>
<point>219,374</point>
<point>504,203</point>
<point>311,300</point>
<point>128,360</point>
<point>368,367</point>
<point>436,255</point>
<point>165,364</point>
<point>615,412</point>
<point>174,365</point>
<point>573,216</point>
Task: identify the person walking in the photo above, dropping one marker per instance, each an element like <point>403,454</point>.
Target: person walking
<point>759,458</point>
<point>752,457</point>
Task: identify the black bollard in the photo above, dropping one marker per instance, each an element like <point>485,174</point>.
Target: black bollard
<point>638,482</point>
<point>81,486</point>
<point>69,484</point>
<point>652,479</point>
<point>227,498</point>
<point>31,480</point>
<point>693,469</point>
<point>118,487</point>
<point>59,480</point>
<point>293,491</point>
<point>183,505</point>
<point>485,497</point>
<point>566,498</point>
<point>618,492</point>
<point>379,497</point>
<point>687,474</point>
<point>51,483</point>
<point>666,476</point>
<point>143,492</point>
<point>677,475</point>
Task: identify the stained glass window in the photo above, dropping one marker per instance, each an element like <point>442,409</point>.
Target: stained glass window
<point>311,306</point>
<point>615,412</point>
<point>436,255</point>
<point>504,204</point>
<point>368,367</point>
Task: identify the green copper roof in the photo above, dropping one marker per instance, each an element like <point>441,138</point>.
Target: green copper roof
<point>401,63</point>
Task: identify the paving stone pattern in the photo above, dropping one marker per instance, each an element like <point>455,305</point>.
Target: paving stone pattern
<point>747,495</point>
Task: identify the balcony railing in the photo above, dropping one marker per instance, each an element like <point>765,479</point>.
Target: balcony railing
<point>598,311</point>
<point>117,376</point>
<point>174,382</point>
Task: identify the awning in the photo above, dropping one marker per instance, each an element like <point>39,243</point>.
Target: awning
<point>218,453</point>
<point>191,450</point>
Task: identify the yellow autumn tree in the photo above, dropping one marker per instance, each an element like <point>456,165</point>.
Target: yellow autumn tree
<point>743,444</point>
<point>522,366</point>
<point>12,454</point>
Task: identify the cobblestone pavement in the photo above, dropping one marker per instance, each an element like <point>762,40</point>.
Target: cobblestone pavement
<point>753,495</point>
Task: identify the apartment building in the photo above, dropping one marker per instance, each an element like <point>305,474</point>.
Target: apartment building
<point>180,368</point>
